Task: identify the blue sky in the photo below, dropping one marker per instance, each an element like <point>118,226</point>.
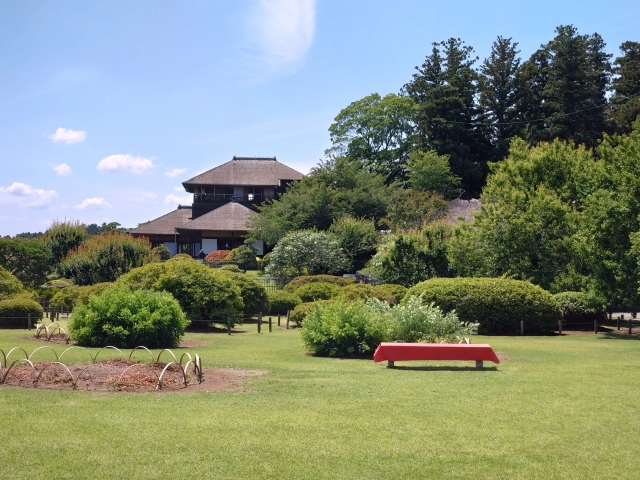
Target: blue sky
<point>107,106</point>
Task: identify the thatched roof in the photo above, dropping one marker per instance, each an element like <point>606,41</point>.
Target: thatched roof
<point>231,216</point>
<point>246,171</point>
<point>166,224</point>
<point>462,208</point>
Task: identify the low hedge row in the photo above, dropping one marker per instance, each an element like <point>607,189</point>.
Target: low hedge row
<point>579,307</point>
<point>497,304</point>
<point>298,282</point>
<point>281,302</point>
<point>14,312</point>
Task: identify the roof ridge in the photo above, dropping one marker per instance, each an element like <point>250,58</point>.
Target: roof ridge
<point>255,158</point>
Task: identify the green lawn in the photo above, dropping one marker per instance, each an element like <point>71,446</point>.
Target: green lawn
<point>558,407</point>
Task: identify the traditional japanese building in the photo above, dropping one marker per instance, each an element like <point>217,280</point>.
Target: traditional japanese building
<point>224,199</point>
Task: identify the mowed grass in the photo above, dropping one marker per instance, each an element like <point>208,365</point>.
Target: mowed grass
<point>557,407</point>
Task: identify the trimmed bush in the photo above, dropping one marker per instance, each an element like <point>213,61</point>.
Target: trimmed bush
<point>390,292</point>
<point>126,318</point>
<point>312,292</point>
<point>299,313</point>
<point>341,328</point>
<point>203,293</point>
<point>65,297</point>
<point>15,311</point>
<point>357,291</point>
<point>298,282</point>
<point>217,255</point>
<point>182,256</point>
<point>497,304</point>
<point>281,302</point>
<point>254,295</point>
<point>84,293</point>
<point>579,307</point>
<point>231,268</point>
<point>9,284</point>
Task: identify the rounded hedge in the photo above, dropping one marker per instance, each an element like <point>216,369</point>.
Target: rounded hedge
<point>281,302</point>
<point>357,291</point>
<point>254,295</point>
<point>299,313</point>
<point>312,292</point>
<point>298,282</point>
<point>390,292</point>
<point>126,318</point>
<point>497,304</point>
<point>14,312</point>
<point>579,307</point>
<point>9,284</point>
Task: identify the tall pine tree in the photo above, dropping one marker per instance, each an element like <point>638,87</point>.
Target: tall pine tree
<point>626,87</point>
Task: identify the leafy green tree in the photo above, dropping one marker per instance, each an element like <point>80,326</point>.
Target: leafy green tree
<point>28,260</point>
<point>62,237</point>
<point>334,189</point>
<point>377,131</point>
<point>500,95</point>
<point>431,172</point>
<point>445,90</point>
<point>410,209</point>
<point>307,252</point>
<point>103,258</point>
<point>357,238</point>
<point>626,87</point>
<point>9,284</point>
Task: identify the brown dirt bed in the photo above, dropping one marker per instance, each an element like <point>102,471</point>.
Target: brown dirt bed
<point>105,376</point>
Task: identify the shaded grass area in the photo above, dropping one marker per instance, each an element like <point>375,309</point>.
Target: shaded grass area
<point>557,407</point>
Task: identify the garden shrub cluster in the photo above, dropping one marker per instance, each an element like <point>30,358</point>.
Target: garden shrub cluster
<point>312,292</point>
<point>281,302</point>
<point>579,307</point>
<point>217,255</point>
<point>254,295</point>
<point>390,292</point>
<point>9,284</point>
<point>71,297</point>
<point>15,311</point>
<point>299,313</point>
<point>298,282</point>
<point>496,304</point>
<point>126,318</point>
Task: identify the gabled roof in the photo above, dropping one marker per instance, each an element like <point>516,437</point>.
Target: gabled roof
<point>246,171</point>
<point>231,216</point>
<point>166,224</point>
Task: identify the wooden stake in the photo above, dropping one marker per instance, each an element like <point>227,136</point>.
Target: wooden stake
<point>228,325</point>
<point>289,311</point>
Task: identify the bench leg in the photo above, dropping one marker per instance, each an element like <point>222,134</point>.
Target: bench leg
<point>389,363</point>
<point>479,365</point>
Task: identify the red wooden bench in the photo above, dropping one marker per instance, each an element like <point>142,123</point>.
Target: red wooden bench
<point>394,352</point>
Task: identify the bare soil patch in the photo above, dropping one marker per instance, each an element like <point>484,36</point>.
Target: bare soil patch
<point>120,375</point>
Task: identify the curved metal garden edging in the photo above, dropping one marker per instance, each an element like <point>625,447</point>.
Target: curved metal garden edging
<point>195,363</point>
<point>50,331</point>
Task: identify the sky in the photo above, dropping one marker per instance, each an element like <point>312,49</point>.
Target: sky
<point>106,107</point>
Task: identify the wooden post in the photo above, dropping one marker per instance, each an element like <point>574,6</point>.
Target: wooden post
<point>259,322</point>
<point>595,326</point>
<point>521,327</point>
<point>288,313</point>
<point>228,325</point>
<point>629,325</point>
<point>618,322</point>
<point>559,327</point>
<point>29,321</point>
<point>270,327</point>
<point>278,319</point>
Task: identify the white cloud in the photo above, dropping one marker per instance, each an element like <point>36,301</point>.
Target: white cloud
<point>284,30</point>
<point>175,172</point>
<point>178,200</point>
<point>127,163</point>
<point>93,203</point>
<point>178,189</point>
<point>63,169</point>
<point>143,197</point>
<point>23,194</point>
<point>68,136</point>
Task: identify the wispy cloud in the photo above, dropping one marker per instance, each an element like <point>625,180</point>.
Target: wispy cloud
<point>126,163</point>
<point>283,31</point>
<point>173,199</point>
<point>175,172</point>
<point>93,203</point>
<point>143,197</point>
<point>68,136</point>
<point>63,169</point>
<point>26,195</point>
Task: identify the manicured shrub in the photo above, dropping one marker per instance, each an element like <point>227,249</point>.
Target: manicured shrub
<point>390,292</point>
<point>9,284</point>
<point>254,295</point>
<point>203,293</point>
<point>162,252</point>
<point>281,302</point>
<point>87,291</point>
<point>342,328</point>
<point>231,268</point>
<point>579,307</point>
<point>298,282</point>
<point>184,256</point>
<point>217,255</point>
<point>14,312</point>
<point>65,297</point>
<point>496,304</point>
<point>126,318</point>
<point>299,313</point>
<point>357,291</point>
<point>312,292</point>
